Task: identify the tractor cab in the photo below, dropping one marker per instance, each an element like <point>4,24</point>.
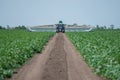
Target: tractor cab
<point>60,27</point>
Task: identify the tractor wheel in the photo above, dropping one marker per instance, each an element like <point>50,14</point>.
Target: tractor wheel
<point>63,31</point>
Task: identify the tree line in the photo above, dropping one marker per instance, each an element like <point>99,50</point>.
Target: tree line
<point>105,27</point>
<point>17,27</point>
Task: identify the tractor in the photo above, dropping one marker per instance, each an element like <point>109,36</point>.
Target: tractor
<point>60,27</point>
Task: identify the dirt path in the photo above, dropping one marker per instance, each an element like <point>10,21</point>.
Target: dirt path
<point>58,61</point>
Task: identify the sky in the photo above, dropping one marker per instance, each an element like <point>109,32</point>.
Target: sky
<point>45,12</point>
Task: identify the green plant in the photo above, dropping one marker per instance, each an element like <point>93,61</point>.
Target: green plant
<point>17,46</point>
<point>101,50</point>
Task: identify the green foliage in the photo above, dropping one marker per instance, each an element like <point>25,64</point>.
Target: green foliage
<point>101,50</point>
<point>2,27</point>
<point>20,27</point>
<point>17,46</point>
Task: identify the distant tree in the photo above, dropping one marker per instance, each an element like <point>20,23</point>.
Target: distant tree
<point>111,26</point>
<point>8,27</point>
<point>97,27</point>
<point>2,27</point>
<point>101,27</point>
<point>20,27</point>
<point>105,27</point>
<point>75,24</point>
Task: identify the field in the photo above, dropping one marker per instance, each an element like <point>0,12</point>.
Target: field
<point>16,46</point>
<point>101,50</point>
<point>60,59</point>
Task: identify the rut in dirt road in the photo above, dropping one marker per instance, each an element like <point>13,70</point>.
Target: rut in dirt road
<point>56,65</point>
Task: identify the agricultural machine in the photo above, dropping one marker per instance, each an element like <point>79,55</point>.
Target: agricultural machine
<point>60,27</point>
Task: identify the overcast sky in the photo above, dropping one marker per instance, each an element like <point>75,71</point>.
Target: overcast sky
<point>40,12</point>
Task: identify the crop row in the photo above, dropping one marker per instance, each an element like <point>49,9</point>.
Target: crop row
<point>101,50</point>
<point>17,46</point>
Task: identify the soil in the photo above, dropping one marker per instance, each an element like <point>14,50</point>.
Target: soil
<point>59,61</point>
